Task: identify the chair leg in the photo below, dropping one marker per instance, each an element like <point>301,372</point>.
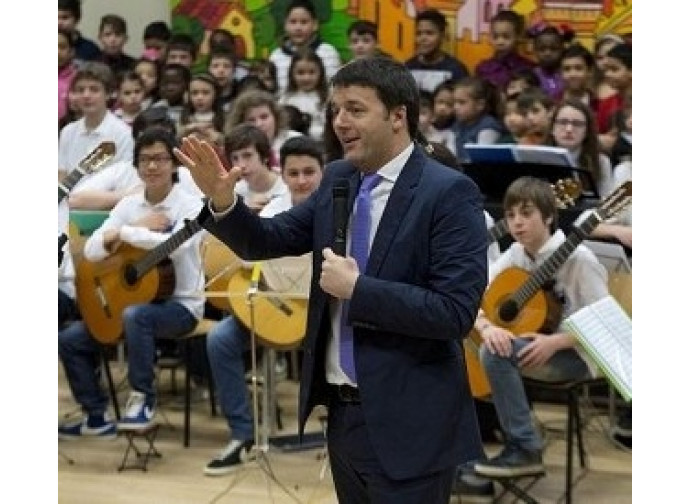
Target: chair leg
<point>578,429</point>
<point>111,384</point>
<point>211,387</point>
<point>187,393</point>
<point>572,411</point>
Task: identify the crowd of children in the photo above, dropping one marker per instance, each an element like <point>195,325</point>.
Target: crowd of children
<point>561,95</point>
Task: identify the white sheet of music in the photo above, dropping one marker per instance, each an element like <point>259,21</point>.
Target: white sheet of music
<point>604,329</point>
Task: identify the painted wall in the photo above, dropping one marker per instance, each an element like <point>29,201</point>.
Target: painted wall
<point>258,23</point>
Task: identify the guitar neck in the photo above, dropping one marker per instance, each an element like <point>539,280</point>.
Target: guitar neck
<point>548,269</point>
<point>157,254</point>
<point>498,231</point>
<point>69,182</point>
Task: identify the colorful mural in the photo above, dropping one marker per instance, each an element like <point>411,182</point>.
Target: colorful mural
<point>258,24</point>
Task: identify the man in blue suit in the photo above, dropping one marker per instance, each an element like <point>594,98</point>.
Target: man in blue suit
<point>402,419</point>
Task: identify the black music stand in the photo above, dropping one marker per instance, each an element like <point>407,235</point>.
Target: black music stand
<point>494,178</point>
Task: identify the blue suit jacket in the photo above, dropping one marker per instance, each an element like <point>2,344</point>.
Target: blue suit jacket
<point>419,297</point>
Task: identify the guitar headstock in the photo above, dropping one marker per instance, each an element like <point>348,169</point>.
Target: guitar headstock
<point>620,198</point>
<point>567,191</point>
<point>98,157</point>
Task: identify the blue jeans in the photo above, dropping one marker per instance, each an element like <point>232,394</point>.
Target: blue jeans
<point>143,324</point>
<point>226,344</point>
<point>81,359</point>
<point>80,353</point>
<point>508,390</point>
<point>67,309</point>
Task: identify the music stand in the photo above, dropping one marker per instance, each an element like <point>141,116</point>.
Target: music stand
<point>259,452</point>
<point>494,178</point>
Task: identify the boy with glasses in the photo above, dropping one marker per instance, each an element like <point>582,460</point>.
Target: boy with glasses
<point>143,220</point>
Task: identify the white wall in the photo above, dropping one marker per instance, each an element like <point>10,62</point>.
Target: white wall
<point>137,13</point>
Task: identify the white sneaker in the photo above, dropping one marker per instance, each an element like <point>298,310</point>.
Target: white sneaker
<point>138,413</point>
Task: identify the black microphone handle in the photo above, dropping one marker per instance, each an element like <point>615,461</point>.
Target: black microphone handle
<point>341,191</point>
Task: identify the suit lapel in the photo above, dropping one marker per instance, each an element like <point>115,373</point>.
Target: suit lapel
<point>397,206</point>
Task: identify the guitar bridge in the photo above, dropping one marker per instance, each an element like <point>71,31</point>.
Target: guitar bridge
<point>101,297</point>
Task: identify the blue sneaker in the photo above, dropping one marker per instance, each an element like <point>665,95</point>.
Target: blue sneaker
<point>139,413</point>
<point>95,426</point>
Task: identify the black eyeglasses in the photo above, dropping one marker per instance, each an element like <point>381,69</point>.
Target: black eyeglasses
<point>156,158</point>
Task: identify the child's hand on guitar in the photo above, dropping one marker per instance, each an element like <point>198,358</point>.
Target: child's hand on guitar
<point>155,221</point>
<point>111,240</point>
<point>498,340</point>
<point>538,351</point>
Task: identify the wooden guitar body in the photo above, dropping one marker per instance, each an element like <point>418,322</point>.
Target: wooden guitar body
<point>104,290</point>
<point>479,383</point>
<point>280,322</point>
<point>220,264</point>
<point>540,313</point>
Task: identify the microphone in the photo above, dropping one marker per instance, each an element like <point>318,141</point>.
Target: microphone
<point>341,193</point>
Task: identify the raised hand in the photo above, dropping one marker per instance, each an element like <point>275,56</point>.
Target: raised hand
<point>208,172</point>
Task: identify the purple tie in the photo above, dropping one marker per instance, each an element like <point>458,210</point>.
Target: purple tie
<point>359,250</point>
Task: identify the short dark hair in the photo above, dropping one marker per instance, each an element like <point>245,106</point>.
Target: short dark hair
<point>302,146</point>
<point>247,135</point>
<point>392,81</point>
<point>622,53</point>
<point>151,136</point>
<point>363,27</point>
<point>182,42</point>
<point>512,17</point>
<point>301,4</point>
<point>117,23</point>
<point>577,50</point>
<point>528,189</point>
<point>227,42</point>
<point>154,116</point>
<point>72,6</point>
<point>433,16</point>
<point>157,30</point>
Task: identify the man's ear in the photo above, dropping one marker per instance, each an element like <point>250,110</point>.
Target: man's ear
<point>399,117</point>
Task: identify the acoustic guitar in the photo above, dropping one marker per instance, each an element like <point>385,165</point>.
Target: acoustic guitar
<point>129,276</point>
<point>566,191</point>
<point>520,301</point>
<point>94,161</point>
<point>280,318</point>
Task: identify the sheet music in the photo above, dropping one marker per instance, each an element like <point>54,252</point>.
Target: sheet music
<point>288,274</point>
<point>605,330</point>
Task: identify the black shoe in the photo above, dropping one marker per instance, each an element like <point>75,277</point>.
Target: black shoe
<point>233,456</point>
<point>513,461</point>
<point>471,488</point>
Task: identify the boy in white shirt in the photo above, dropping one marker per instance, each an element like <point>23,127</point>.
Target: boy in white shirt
<point>93,83</point>
<point>143,220</point>
<point>301,159</point>
<point>531,214</point>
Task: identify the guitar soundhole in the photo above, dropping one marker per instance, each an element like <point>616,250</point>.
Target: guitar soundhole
<point>131,275</point>
<point>509,310</point>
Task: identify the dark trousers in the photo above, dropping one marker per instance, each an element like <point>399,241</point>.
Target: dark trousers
<point>67,309</point>
<point>357,473</point>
